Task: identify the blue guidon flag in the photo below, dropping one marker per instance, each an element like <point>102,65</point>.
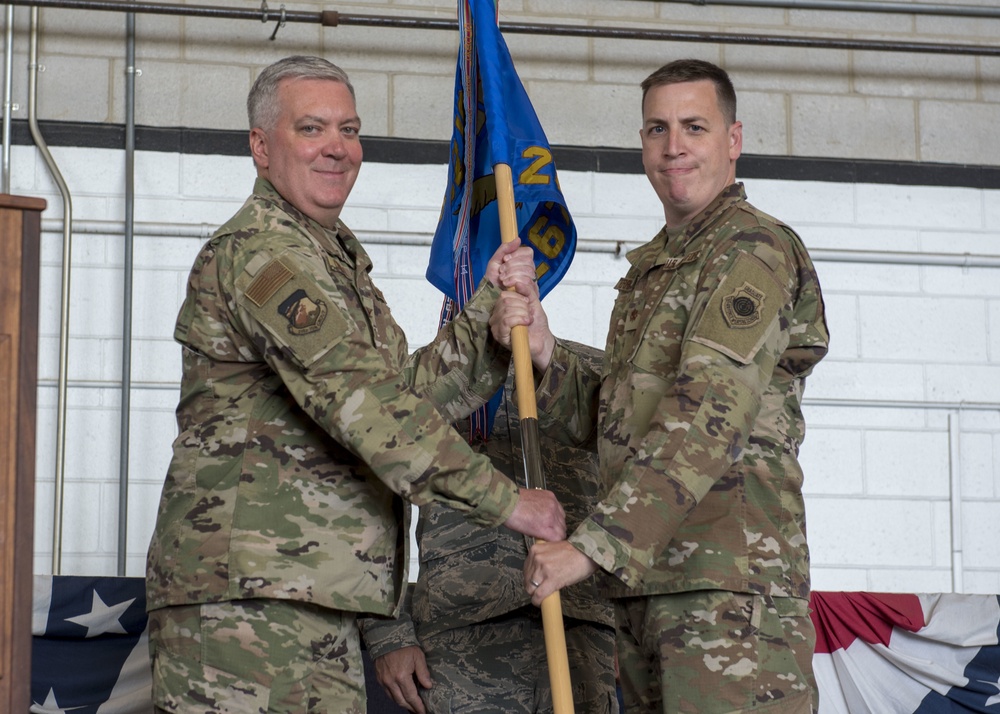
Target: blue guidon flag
<point>495,123</point>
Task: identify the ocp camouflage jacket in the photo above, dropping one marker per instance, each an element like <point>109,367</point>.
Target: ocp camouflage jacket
<point>698,419</point>
<point>302,415</point>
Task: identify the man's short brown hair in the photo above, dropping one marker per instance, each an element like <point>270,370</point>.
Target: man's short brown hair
<point>694,70</point>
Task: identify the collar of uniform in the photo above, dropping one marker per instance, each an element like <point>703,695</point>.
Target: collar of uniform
<point>671,243</point>
<point>338,240</point>
<point>732,194</point>
<point>264,191</point>
<point>352,246</point>
<point>644,257</point>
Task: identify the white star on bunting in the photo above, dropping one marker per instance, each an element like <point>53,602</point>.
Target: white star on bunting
<point>102,619</point>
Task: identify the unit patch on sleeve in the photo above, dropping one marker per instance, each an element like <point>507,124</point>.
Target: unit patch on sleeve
<point>304,314</point>
<point>292,307</point>
<point>741,311</point>
<point>741,308</point>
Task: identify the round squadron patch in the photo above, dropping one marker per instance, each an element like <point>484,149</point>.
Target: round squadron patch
<point>304,314</point>
<point>741,308</point>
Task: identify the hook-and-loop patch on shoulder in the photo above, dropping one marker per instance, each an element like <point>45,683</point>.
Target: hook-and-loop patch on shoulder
<point>267,282</point>
<point>304,313</point>
<point>740,312</point>
<point>291,304</point>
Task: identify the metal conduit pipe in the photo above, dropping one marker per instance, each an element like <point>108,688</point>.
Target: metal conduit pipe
<point>205,231</point>
<point>902,8</point>
<point>8,107</point>
<point>67,234</point>
<point>333,18</point>
<point>902,404</point>
<point>955,500</point>
<point>127,272</point>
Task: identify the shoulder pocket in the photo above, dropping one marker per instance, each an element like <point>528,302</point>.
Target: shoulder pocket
<point>300,317</point>
<point>741,311</point>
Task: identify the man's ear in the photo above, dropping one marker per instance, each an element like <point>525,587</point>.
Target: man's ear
<point>258,147</point>
<point>735,140</point>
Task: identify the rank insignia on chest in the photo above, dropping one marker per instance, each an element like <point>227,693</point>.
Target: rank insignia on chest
<point>304,314</point>
<point>741,308</point>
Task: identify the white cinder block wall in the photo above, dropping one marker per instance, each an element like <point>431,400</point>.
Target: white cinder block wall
<point>902,456</point>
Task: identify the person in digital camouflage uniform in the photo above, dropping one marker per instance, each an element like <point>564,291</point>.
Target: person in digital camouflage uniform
<point>302,418</point>
<point>471,641</point>
<point>702,535</point>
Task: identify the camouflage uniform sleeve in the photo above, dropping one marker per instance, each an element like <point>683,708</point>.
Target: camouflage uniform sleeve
<point>567,398</point>
<point>297,316</point>
<point>698,421</point>
<point>383,635</point>
<point>463,366</point>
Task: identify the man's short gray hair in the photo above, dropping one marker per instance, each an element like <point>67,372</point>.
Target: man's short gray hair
<point>262,102</point>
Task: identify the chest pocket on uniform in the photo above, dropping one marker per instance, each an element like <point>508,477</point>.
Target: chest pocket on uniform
<point>658,329</point>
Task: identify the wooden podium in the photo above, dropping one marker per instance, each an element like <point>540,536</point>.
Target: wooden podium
<point>20,236</point>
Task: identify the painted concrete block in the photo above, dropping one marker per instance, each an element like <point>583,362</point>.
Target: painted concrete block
<point>853,532</point>
<point>918,76</point>
<point>979,282</point>
<point>907,463</point>
<point>853,127</point>
<point>980,533</point>
<point>940,142</point>
<point>414,114</point>
<point>788,69</point>
<point>802,204</point>
<point>909,580</point>
<point>993,327</point>
<point>977,465</point>
<point>922,207</point>
<point>766,129</point>
<point>973,383</point>
<point>837,579</point>
<point>929,329</point>
<point>832,462</point>
<point>230,177</point>
<point>879,381</point>
<point>850,277</point>
<point>601,114</point>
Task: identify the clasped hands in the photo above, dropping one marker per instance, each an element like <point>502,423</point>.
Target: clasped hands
<point>553,563</point>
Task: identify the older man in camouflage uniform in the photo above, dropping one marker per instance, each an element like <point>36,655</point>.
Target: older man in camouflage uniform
<point>472,641</point>
<point>701,535</point>
<point>302,416</point>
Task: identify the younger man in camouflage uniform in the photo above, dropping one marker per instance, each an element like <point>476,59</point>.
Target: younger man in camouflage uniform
<point>471,640</point>
<point>702,534</point>
<point>302,416</point>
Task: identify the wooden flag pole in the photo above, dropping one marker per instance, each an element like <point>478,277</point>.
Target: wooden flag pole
<point>524,381</point>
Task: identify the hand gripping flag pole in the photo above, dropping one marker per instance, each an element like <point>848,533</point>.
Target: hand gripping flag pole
<point>524,386</point>
<point>502,183</point>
